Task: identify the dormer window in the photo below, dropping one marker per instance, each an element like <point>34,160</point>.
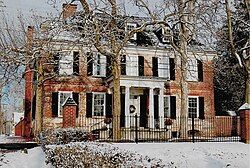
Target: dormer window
<point>165,35</point>
<point>129,27</point>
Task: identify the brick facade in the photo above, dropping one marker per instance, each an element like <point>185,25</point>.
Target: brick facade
<point>245,125</point>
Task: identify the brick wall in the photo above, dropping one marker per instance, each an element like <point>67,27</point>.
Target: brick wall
<point>245,125</point>
<point>69,116</point>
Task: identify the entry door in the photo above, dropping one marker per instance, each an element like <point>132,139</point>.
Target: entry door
<point>134,108</point>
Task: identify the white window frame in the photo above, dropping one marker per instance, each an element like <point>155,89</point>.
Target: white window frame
<point>132,65</point>
<point>163,68</point>
<point>60,106</point>
<point>66,63</point>
<point>169,110</point>
<point>104,104</point>
<point>128,29</point>
<point>192,69</point>
<point>164,38</point>
<point>197,108</point>
<point>99,65</point>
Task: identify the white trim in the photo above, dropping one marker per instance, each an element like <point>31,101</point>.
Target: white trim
<point>134,37</point>
<point>104,103</point>
<point>197,111</point>
<point>168,106</point>
<point>102,65</point>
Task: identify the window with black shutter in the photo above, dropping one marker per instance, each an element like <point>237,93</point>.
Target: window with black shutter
<point>108,105</point>
<point>172,68</point>
<point>156,107</point>
<point>108,67</point>
<point>141,65</point>
<point>122,117</point>
<point>75,63</point>
<point>172,107</point>
<point>76,99</point>
<point>155,66</point>
<point>56,63</point>
<point>201,108</point>
<point>89,105</point>
<point>89,64</point>
<point>34,107</point>
<point>200,70</point>
<point>123,65</point>
<point>54,104</point>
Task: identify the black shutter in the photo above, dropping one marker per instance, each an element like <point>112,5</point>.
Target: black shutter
<point>143,111</point>
<point>89,105</point>
<point>89,64</point>
<point>108,105</point>
<point>155,66</point>
<point>141,65</point>
<point>172,107</point>
<point>76,99</point>
<point>34,107</point>
<point>56,63</point>
<point>123,65</point>
<point>108,67</point>
<point>156,106</point>
<point>76,63</point>
<point>54,104</point>
<point>201,108</point>
<point>200,70</point>
<point>122,123</point>
<point>172,68</point>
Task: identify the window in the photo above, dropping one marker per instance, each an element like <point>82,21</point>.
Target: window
<point>96,65</point>
<point>129,27</point>
<point>98,104</point>
<point>63,96</point>
<point>66,63</point>
<point>192,70</point>
<point>132,65</point>
<point>141,65</point>
<point>123,65</point>
<point>165,35</point>
<point>155,66</point>
<point>193,107</point>
<point>166,107</point>
<point>59,99</point>
<point>163,67</point>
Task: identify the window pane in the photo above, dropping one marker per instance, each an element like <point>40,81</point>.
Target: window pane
<point>98,109</point>
<point>192,107</point>
<point>166,107</point>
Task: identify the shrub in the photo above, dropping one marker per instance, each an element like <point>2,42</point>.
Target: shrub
<point>90,154</point>
<point>63,136</point>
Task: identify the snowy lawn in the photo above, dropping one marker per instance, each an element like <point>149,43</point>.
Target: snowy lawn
<point>197,155</point>
<point>34,159</point>
<point>180,155</point>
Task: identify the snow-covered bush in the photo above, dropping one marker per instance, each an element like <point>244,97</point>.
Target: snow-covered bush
<point>63,136</point>
<point>91,154</point>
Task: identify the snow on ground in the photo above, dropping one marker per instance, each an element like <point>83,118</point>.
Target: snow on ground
<point>197,155</point>
<point>34,159</point>
<point>180,155</point>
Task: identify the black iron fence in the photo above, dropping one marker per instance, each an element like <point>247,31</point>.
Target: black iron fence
<point>159,129</point>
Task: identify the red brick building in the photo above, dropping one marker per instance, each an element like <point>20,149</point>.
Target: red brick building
<point>150,82</point>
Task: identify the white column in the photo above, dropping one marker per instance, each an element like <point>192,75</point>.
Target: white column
<point>151,108</point>
<point>161,108</point>
<point>127,116</point>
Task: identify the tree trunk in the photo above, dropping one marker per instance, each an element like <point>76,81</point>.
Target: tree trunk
<point>183,59</point>
<point>247,65</point>
<point>39,94</point>
<point>116,99</point>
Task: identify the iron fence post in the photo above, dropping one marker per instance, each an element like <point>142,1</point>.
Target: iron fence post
<point>136,129</point>
<point>193,128</point>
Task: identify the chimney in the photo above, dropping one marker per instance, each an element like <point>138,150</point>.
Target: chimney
<point>69,10</point>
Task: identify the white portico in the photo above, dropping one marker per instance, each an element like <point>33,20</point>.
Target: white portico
<point>135,88</point>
